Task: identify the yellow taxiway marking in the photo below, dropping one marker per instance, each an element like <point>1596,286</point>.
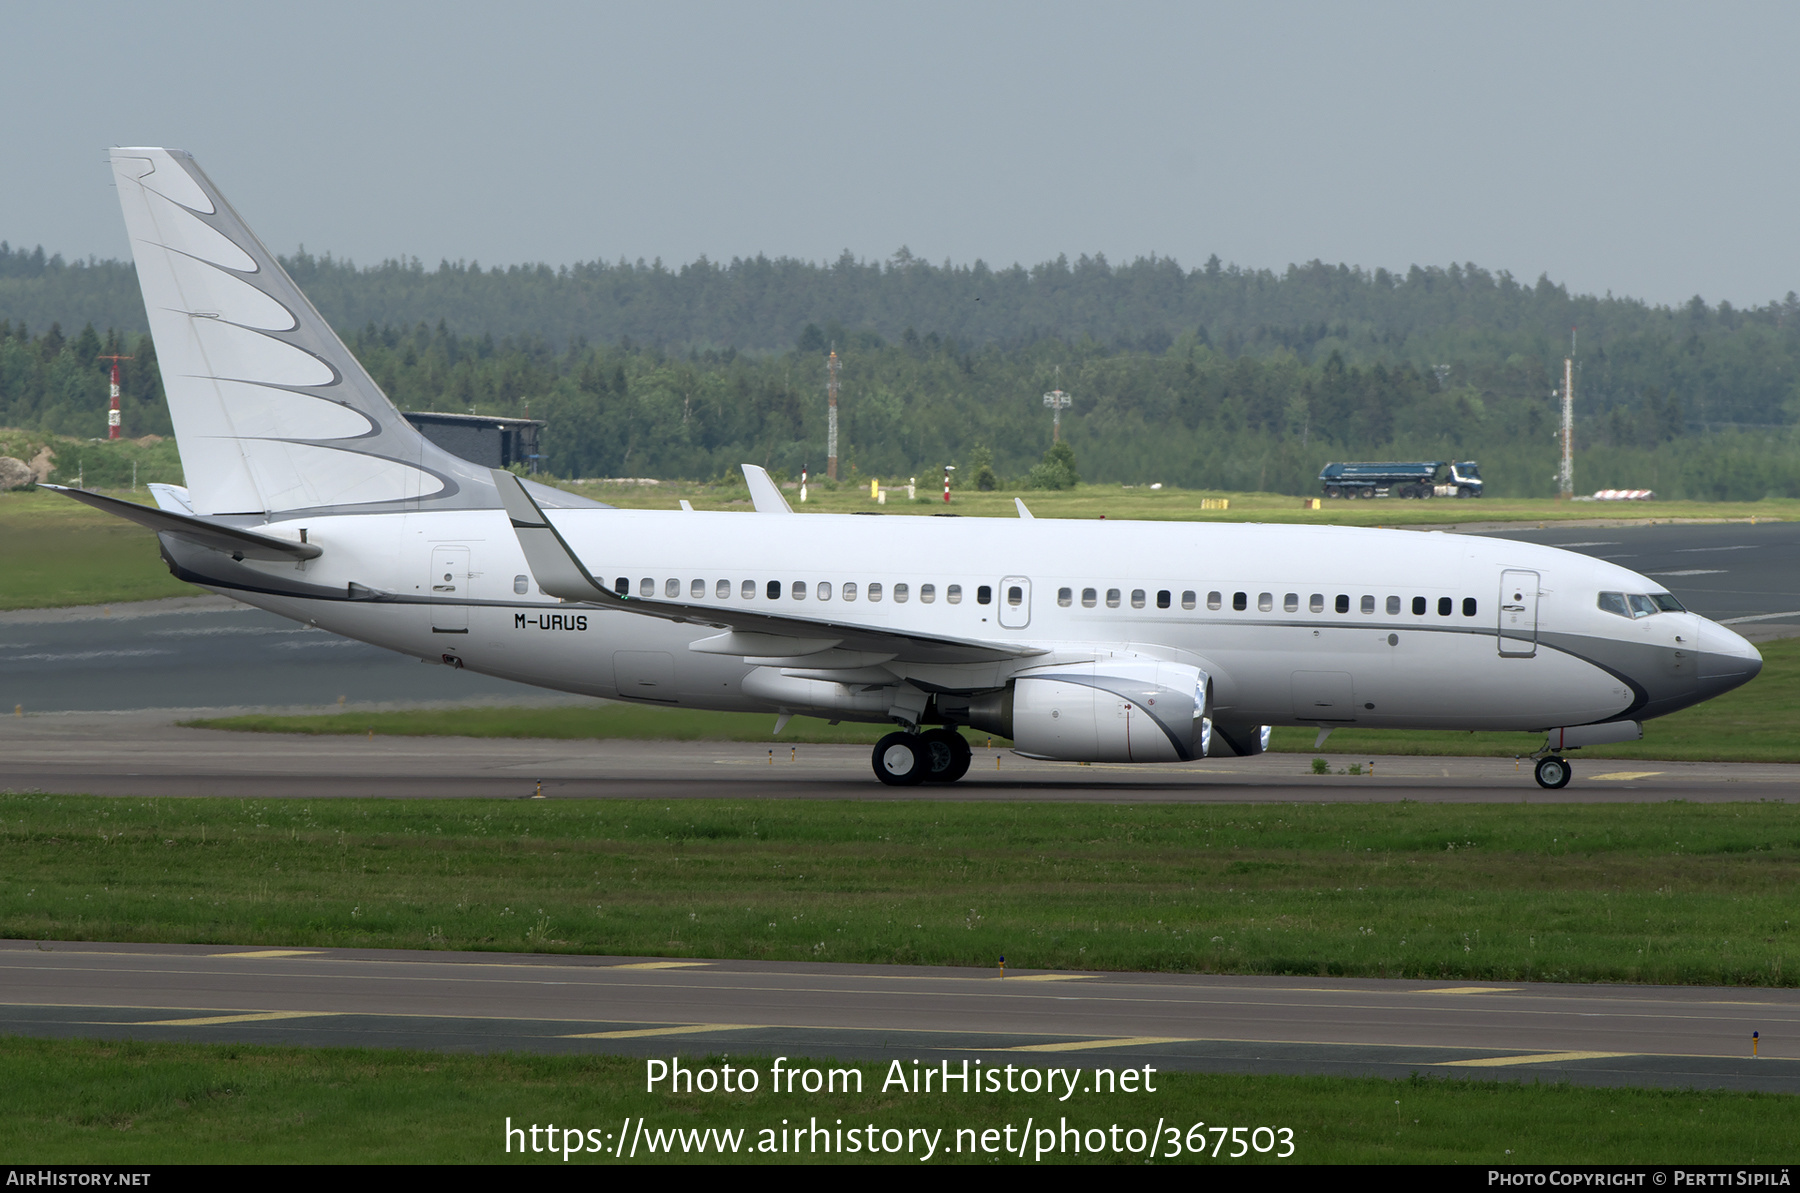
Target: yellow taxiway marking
<point>659,965</point>
<point>1470,990</point>
<point>1081,1045</point>
<point>1536,1058</point>
<point>270,953</point>
<point>680,1030</point>
<point>1625,774</point>
<point>1050,977</point>
<point>251,1017</point>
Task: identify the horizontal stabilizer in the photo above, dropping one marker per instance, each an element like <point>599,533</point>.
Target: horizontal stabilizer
<point>239,544</point>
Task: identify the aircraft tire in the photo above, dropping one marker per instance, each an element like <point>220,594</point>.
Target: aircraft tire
<point>947,755</point>
<point>900,760</point>
<point>1552,772</point>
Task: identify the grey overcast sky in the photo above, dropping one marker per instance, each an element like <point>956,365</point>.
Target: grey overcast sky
<point>1643,148</point>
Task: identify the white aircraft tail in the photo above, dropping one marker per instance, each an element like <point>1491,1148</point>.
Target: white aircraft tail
<point>271,411</point>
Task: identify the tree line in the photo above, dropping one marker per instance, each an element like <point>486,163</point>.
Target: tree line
<point>1190,413</point>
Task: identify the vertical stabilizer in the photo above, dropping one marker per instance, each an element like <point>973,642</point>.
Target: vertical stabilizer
<point>271,411</point>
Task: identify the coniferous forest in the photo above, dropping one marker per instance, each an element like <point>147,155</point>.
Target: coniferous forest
<point>1215,377</point>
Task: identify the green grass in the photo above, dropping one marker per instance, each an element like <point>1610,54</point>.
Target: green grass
<point>1666,893</point>
<point>82,1102</point>
<point>1170,504</point>
<point>1752,724</point>
<point>55,552</point>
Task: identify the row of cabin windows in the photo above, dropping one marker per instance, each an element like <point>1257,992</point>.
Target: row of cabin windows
<point>821,590</point>
<point>1265,602</point>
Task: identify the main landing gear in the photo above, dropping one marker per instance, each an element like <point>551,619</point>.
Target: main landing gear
<point>935,756</point>
<point>1552,771</point>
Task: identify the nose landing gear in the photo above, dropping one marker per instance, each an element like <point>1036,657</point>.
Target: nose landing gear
<point>1552,771</point>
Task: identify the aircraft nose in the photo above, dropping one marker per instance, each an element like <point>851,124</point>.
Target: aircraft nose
<point>1727,660</point>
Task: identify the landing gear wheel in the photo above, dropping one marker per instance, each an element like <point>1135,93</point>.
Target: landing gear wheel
<point>900,760</point>
<point>946,755</point>
<point>1552,772</point>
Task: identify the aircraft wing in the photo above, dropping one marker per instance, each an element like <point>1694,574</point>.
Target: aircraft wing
<point>239,544</point>
<point>773,639</point>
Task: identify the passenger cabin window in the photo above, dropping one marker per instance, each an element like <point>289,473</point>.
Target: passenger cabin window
<point>622,585</point>
<point>722,590</point>
<point>798,588</point>
<point>671,588</point>
<point>1089,598</point>
<point>927,593</point>
<point>521,585</point>
<point>1015,596</point>
<point>749,591</point>
<point>646,587</point>
<point>1265,602</point>
<point>984,595</point>
<point>850,591</point>
<point>875,591</point>
<point>1187,599</point>
<point>1065,597</point>
<point>1112,598</point>
<point>1137,598</point>
<point>1290,603</point>
<point>1316,602</point>
<point>1343,603</point>
<point>774,590</point>
<point>1162,598</point>
<point>1240,601</point>
<point>1445,605</point>
<point>1468,606</point>
<point>1393,606</point>
<point>953,594</point>
<point>697,590</point>
<point>1212,600</point>
<point>901,592</point>
<point>1419,606</point>
<point>1368,604</point>
<point>823,590</point>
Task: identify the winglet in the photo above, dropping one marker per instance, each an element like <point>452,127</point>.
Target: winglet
<point>765,494</point>
<point>553,565</point>
<point>1023,512</point>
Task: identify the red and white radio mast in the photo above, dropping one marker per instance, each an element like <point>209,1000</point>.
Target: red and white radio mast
<point>112,413</point>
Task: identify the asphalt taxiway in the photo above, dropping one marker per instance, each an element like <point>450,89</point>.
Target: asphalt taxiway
<point>1599,1035</point>
<point>147,754</point>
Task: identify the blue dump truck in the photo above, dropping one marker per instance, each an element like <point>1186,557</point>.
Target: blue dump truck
<point>1423,478</point>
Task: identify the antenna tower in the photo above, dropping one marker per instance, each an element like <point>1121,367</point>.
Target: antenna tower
<point>1565,476</point>
<point>832,365</point>
<point>113,416</point>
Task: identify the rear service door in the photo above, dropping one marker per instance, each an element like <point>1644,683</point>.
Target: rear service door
<point>449,590</point>
<point>1015,602</point>
<point>1518,614</point>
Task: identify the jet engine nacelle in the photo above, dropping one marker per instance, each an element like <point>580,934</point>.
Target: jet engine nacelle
<point>1114,710</point>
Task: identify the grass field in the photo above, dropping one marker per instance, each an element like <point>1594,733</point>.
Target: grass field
<point>81,1102</point>
<point>56,552</point>
<point>1752,724</point>
<point>1665,893</point>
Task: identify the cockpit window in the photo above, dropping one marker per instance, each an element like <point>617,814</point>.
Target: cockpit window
<point>1637,604</point>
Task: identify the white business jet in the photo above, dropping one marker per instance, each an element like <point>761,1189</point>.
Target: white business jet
<point>310,496</point>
